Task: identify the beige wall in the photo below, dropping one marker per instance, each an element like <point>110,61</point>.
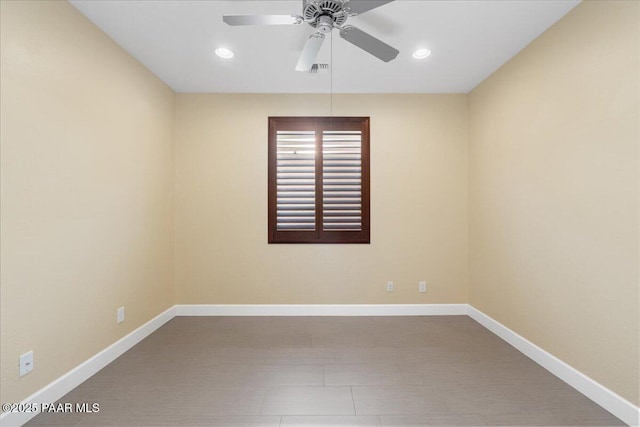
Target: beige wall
<point>418,204</point>
<point>87,180</point>
<point>553,178</point>
<point>87,204</point>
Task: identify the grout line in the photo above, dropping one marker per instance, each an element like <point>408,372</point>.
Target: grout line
<point>264,397</point>
<point>353,401</point>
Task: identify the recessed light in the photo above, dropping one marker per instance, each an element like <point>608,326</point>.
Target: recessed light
<point>224,53</point>
<point>421,53</point>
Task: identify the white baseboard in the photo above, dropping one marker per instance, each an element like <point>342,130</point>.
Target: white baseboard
<point>321,310</point>
<point>612,402</point>
<point>67,382</point>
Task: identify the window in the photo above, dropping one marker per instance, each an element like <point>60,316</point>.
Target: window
<point>318,180</point>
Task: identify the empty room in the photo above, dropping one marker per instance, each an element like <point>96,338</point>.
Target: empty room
<point>319,213</point>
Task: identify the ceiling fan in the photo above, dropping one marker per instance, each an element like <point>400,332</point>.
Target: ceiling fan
<point>324,16</point>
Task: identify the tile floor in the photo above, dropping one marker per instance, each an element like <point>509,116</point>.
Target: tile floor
<point>326,371</point>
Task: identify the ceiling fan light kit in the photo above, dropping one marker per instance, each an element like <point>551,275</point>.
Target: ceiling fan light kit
<point>324,16</point>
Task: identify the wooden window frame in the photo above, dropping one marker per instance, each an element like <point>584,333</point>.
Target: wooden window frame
<point>319,124</point>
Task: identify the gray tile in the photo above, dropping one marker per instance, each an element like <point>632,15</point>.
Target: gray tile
<point>263,340</point>
<point>284,375</point>
<point>602,419</point>
<point>131,408</point>
<point>55,420</point>
<point>145,363</point>
<point>389,374</point>
<point>127,419</point>
<point>201,371</point>
<point>212,355</point>
<point>94,423</point>
<point>542,418</point>
<point>308,401</point>
<point>517,373</point>
<point>404,339</point>
<point>119,399</point>
<point>298,356</point>
<point>289,324</point>
<point>477,399</point>
<point>373,355</point>
<point>398,400</point>
<point>527,400</point>
<point>346,338</point>
<point>329,421</point>
<point>203,419</point>
<point>237,324</point>
<point>430,420</point>
<point>209,399</point>
<point>222,375</point>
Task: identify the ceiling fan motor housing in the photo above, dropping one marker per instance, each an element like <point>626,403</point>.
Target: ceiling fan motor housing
<point>324,14</point>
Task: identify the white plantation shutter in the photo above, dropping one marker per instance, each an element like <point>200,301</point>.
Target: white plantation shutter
<point>318,180</point>
<point>296,180</point>
<point>342,180</point>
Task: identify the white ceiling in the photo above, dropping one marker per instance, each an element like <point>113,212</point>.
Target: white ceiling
<point>469,41</point>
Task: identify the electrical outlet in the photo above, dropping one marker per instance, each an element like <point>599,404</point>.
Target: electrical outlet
<point>120,315</point>
<point>26,363</point>
<point>422,287</point>
<point>389,286</point>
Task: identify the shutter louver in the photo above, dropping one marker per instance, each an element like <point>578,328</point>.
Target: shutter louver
<point>342,180</point>
<point>296,180</point>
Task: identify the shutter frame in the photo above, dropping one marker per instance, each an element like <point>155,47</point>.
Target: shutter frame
<point>319,125</point>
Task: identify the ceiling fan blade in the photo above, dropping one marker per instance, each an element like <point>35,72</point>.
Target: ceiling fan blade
<point>368,43</point>
<point>356,7</point>
<point>262,19</point>
<point>310,51</point>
